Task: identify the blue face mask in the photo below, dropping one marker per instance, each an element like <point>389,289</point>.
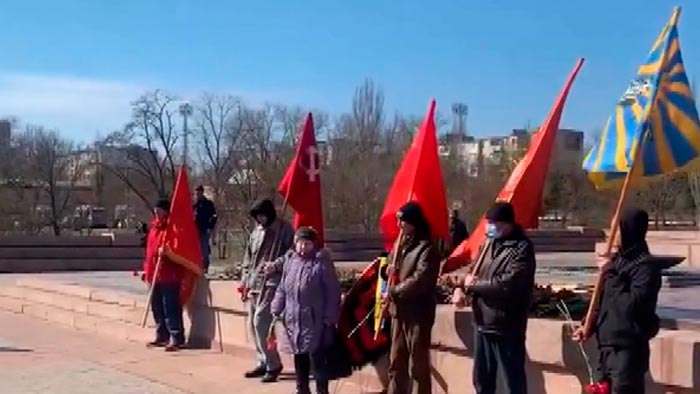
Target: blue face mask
<point>491,230</point>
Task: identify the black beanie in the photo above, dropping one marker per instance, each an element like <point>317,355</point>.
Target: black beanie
<point>163,204</point>
<point>306,233</point>
<point>501,212</point>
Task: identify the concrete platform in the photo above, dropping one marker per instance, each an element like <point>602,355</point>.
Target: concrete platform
<point>110,305</point>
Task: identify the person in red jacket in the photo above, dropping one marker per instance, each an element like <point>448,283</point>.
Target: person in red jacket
<point>165,304</point>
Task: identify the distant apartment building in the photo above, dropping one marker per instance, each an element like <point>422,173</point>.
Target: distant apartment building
<point>478,153</point>
<point>5,133</point>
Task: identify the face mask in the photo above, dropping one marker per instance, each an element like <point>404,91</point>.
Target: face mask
<point>491,231</point>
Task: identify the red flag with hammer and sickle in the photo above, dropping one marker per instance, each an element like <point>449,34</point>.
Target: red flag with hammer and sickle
<point>301,185</point>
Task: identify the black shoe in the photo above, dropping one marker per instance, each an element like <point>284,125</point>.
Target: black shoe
<point>271,376</point>
<point>157,343</point>
<point>257,372</point>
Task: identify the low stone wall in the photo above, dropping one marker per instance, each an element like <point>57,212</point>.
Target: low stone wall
<point>554,362</point>
<point>42,253</point>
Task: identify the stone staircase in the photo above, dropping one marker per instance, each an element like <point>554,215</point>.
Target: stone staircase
<point>101,312</point>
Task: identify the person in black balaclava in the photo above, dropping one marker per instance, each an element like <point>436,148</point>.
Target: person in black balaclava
<point>626,318</point>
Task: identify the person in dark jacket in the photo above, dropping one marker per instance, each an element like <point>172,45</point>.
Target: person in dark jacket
<point>205,218</point>
<point>501,294</point>
<point>626,317</point>
<point>308,303</point>
<point>165,304</point>
<point>458,230</point>
<point>411,304</point>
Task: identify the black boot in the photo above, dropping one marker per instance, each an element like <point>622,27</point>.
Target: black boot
<point>322,387</point>
<point>302,386</point>
<point>256,372</point>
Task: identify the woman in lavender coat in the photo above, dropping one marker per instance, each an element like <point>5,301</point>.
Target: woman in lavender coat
<point>307,301</point>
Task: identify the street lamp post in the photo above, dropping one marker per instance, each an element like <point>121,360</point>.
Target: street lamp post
<point>185,111</point>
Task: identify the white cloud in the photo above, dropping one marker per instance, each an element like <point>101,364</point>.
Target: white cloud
<point>79,107</point>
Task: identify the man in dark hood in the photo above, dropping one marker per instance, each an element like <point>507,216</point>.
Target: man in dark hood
<point>262,272</point>
<point>412,303</point>
<point>458,230</point>
<point>501,293</point>
<point>626,316</point>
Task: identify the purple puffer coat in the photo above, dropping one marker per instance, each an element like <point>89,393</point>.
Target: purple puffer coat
<point>308,302</point>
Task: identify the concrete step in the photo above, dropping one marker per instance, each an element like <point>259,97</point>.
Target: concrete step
<point>12,300</point>
<point>73,304</point>
<point>116,313</point>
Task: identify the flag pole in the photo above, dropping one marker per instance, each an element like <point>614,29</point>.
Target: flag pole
<point>149,298</point>
<point>590,318</point>
<point>591,314</point>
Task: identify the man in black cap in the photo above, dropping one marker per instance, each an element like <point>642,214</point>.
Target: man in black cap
<point>166,282</point>
<point>412,303</point>
<point>205,217</point>
<point>501,293</point>
<point>627,318</point>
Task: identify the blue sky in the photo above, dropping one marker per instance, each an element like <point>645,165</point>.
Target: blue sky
<point>75,65</point>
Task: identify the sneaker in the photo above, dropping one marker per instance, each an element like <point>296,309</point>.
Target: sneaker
<point>271,376</point>
<point>257,372</point>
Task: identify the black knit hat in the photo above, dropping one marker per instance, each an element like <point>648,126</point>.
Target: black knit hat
<point>501,212</point>
<point>163,204</point>
<point>411,213</point>
<point>306,233</point>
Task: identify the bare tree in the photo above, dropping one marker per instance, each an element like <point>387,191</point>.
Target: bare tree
<point>142,155</point>
<point>219,127</point>
<point>55,168</point>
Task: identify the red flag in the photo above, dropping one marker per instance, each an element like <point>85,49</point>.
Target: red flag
<point>301,185</point>
<point>181,243</point>
<point>525,186</point>
<point>418,179</point>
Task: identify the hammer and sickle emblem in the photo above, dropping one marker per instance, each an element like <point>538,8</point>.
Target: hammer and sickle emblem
<point>310,163</point>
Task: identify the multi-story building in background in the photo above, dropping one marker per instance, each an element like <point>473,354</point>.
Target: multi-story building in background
<point>478,153</point>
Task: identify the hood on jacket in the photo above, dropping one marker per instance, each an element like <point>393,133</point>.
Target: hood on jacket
<point>634,224</point>
<point>264,207</point>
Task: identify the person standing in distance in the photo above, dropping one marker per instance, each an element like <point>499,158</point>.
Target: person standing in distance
<point>205,217</point>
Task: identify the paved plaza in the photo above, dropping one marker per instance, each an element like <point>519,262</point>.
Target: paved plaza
<point>37,357</point>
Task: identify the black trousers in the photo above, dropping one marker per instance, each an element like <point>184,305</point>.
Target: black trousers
<point>167,313</point>
<point>494,353</point>
<point>302,369</point>
<point>624,367</point>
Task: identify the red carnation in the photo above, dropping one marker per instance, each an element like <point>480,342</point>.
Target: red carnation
<point>598,388</point>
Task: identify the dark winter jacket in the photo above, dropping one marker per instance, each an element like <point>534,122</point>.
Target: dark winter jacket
<point>503,292</point>
<point>205,214</point>
<point>627,312</point>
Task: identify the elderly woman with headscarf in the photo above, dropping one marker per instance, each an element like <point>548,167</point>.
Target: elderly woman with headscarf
<point>627,317</point>
<point>307,301</point>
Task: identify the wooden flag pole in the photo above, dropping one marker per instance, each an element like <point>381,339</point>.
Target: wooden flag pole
<point>149,298</point>
<point>591,315</point>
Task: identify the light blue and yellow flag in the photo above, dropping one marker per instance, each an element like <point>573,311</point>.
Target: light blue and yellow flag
<point>656,117</point>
